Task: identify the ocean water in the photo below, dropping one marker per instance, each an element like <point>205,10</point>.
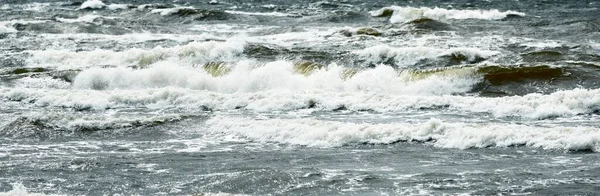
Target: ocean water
<point>305,97</point>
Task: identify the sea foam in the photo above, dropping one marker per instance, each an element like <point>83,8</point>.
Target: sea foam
<point>92,4</point>
<point>319,133</point>
<point>194,52</point>
<point>533,106</point>
<point>409,56</point>
<point>406,14</point>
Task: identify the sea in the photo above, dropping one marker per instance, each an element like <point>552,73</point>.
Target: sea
<point>299,97</point>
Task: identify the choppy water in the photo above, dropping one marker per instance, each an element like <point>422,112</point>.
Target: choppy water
<point>274,97</point>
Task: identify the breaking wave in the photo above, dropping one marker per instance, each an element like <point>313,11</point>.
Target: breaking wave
<point>411,56</point>
<point>400,14</point>
<point>319,133</point>
<point>532,106</point>
<point>92,4</point>
<point>191,53</point>
<point>20,190</point>
<point>244,77</point>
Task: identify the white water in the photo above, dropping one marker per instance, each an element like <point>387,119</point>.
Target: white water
<point>93,4</point>
<point>274,76</point>
<point>191,53</point>
<point>318,133</point>
<point>409,56</point>
<point>407,14</point>
<point>20,190</point>
<point>532,106</point>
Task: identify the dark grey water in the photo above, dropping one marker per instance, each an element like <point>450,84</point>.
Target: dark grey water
<point>275,97</point>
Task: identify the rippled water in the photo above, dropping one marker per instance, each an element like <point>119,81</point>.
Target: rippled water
<point>299,97</point>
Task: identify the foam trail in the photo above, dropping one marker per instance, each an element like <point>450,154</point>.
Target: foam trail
<point>317,133</point>
<point>406,14</point>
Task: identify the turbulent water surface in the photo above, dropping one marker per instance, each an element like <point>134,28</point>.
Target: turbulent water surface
<point>306,97</point>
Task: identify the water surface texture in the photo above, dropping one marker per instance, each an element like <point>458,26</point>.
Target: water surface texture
<point>299,97</point>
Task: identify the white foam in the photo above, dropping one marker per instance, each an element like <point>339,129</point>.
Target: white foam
<point>191,53</point>
<point>20,190</point>
<point>92,4</point>
<point>118,6</point>
<point>407,14</point>
<point>543,44</point>
<point>278,14</point>
<point>128,38</point>
<point>38,7</point>
<point>86,18</point>
<point>409,56</point>
<point>318,133</point>
<point>6,29</point>
<point>274,97</point>
<point>43,82</point>
<point>595,45</point>
<point>167,11</point>
<point>278,75</point>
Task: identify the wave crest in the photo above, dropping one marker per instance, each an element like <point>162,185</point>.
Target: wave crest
<point>400,14</point>
<point>318,133</point>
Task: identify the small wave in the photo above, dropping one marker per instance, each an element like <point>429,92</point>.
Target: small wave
<point>542,56</point>
<point>421,56</point>
<point>197,13</point>
<point>505,74</point>
<point>20,190</point>
<point>341,16</point>
<point>318,133</point>
<point>5,27</point>
<point>120,6</point>
<point>400,14</point>
<point>532,106</point>
<point>92,4</point>
<point>49,125</point>
<point>85,19</point>
<point>429,24</point>
<point>277,14</point>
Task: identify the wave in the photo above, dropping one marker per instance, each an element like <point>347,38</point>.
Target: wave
<point>319,133</point>
<point>197,13</point>
<point>45,125</point>
<point>277,14</point>
<point>20,190</point>
<point>85,19</point>
<point>120,6</point>
<point>6,27</point>
<point>279,75</point>
<point>92,4</point>
<point>194,52</point>
<point>400,14</point>
<point>415,97</point>
<point>421,56</point>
